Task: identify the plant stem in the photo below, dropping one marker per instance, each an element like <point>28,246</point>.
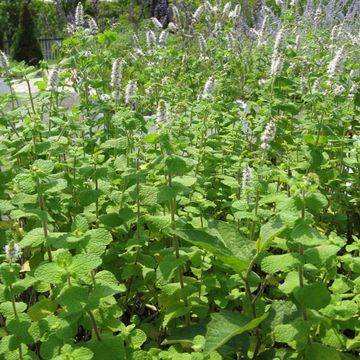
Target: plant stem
<point>177,247</point>
<point>93,323</point>
<point>16,315</point>
<point>30,94</point>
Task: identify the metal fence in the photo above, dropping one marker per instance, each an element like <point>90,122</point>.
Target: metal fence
<point>48,47</point>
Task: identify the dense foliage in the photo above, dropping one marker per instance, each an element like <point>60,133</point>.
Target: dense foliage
<point>188,193</point>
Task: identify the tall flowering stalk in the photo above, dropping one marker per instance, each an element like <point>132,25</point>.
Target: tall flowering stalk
<point>53,80</point>
<point>116,74</point>
<point>261,33</point>
<point>79,16</point>
<point>247,177</point>
<point>162,113</point>
<point>157,23</point>
<point>202,46</point>
<point>151,40</point>
<point>4,62</point>
<point>268,135</point>
<point>277,60</point>
<point>130,92</point>
<point>93,27</point>
<point>335,65</point>
<point>199,11</point>
<point>209,88</point>
<point>277,63</point>
<point>163,37</point>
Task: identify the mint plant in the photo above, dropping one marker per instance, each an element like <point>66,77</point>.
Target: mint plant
<point>190,191</point>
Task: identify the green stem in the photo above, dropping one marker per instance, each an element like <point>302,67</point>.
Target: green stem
<point>177,247</point>
<point>93,323</point>
<point>16,315</point>
<point>30,94</point>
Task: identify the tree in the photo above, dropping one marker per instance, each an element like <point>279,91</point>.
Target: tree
<point>26,46</point>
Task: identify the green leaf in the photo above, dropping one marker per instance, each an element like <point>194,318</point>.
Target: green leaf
<point>290,283</point>
<point>315,201</point>
<point>96,240</point>
<point>42,309</point>
<point>50,273</point>
<point>6,206</point>
<point>176,165</point>
<point>73,298</point>
<point>321,255</point>
<point>110,347</point>
<point>33,238</point>
<point>43,167</point>
<point>209,241</point>
<point>294,334</point>
<point>166,269</point>
<point>107,278</point>
<point>314,296</point>
<point>137,338</point>
<point>305,234</point>
<point>6,308</point>
<point>111,220</point>
<point>224,326</point>
<point>23,328</point>
<point>275,263</point>
<point>320,352</point>
<point>83,264</point>
<point>98,293</point>
<point>270,230</point>
<point>186,181</point>
<point>175,311</point>
<point>67,352</point>
<point>87,197</point>
<point>281,312</point>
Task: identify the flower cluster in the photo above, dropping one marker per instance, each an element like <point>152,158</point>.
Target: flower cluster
<point>335,65</point>
<point>162,113</point>
<point>93,27</point>
<point>130,92</point>
<point>116,74</point>
<point>247,177</point>
<point>79,16</point>
<point>12,251</point>
<point>209,88</point>
<point>277,60</point>
<point>268,135</point>
<point>4,61</point>
<point>53,80</point>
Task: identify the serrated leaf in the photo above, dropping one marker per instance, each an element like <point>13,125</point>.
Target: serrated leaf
<point>274,227</point>
<point>110,347</point>
<point>73,298</point>
<point>284,262</point>
<point>320,255</point>
<point>50,273</point>
<point>305,234</point>
<point>42,309</point>
<point>294,334</point>
<point>33,238</point>
<point>320,352</point>
<point>44,167</point>
<point>234,257</point>
<point>314,296</point>
<point>224,326</point>
<point>6,308</point>
<point>83,264</point>
<point>315,201</point>
<point>96,240</point>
